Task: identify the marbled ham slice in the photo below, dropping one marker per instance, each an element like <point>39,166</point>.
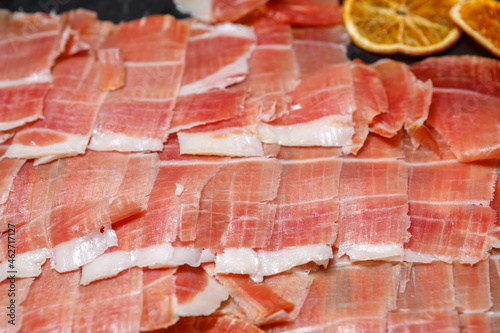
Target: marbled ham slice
<point>51,302</point>
<point>430,321</point>
<point>112,304</point>
<point>346,297</point>
<point>146,240</point>
<point>198,294</point>
<point>373,219</point>
<point>137,117</point>
<point>218,10</point>
<point>75,95</point>
<point>73,199</point>
<point>235,208</point>
<point>29,44</point>
<point>472,287</point>
<point>304,12</point>
<point>16,290</point>
<point>323,104</point>
<point>158,299</point>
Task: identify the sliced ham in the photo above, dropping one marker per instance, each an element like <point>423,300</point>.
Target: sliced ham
<point>112,304</point>
<point>305,12</point>
<point>158,299</point>
<point>75,95</point>
<point>472,287</point>
<point>14,293</point>
<point>346,297</point>
<point>430,321</point>
<point>495,205</point>
<point>111,71</point>
<point>137,117</point>
<point>29,44</point>
<point>213,11</point>
<point>214,324</point>
<point>320,113</point>
<point>51,302</point>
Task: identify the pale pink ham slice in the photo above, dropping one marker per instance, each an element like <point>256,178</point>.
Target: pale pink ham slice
<point>74,203</point>
<point>218,10</point>
<point>111,304</point>
<point>472,287</point>
<point>9,168</point>
<point>495,205</point>
<point>111,71</point>
<point>214,324</point>
<point>51,302</point>
<point>16,290</point>
<point>137,117</point>
<point>346,297</point>
<point>429,321</point>
<point>158,299</point>
<point>75,95</point>
<point>197,293</point>
<point>29,44</point>
<point>409,100</point>
<point>494,313</point>
<point>146,240</point>
<point>475,322</point>
<point>305,12</point>
<point>320,113</point>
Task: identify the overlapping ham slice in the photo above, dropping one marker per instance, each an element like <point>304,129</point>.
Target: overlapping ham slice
<point>9,168</point>
<point>74,95</point>
<point>346,297</point>
<point>304,12</point>
<point>16,290</point>
<point>214,11</point>
<point>73,205</point>
<point>494,313</point>
<point>320,113</point>
<point>137,117</point>
<point>29,44</point>
<point>465,104</point>
<point>147,240</point>
<point>425,300</point>
<point>449,208</point>
<point>472,287</point>
<point>272,73</point>
<point>409,100</point>
<point>373,191</point>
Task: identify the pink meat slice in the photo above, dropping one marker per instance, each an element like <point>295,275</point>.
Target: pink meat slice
<point>472,286</point>
<point>137,117</point>
<point>9,168</point>
<point>111,69</point>
<point>317,48</point>
<point>308,199</point>
<point>429,321</point>
<point>214,11</point>
<point>346,297</point>
<point>235,206</point>
<point>51,302</point>
<point>112,304</point>
<point>213,324</point>
<point>495,205</point>
<point>158,299</point>
<point>475,322</point>
<point>75,95</point>
<point>29,44</point>
<point>305,12</point>
<point>494,313</point>
<point>13,290</point>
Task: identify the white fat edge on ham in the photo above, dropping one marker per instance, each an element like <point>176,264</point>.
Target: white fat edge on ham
<point>205,302</point>
<point>222,143</point>
<point>333,131</point>
<point>230,74</point>
<point>123,143</point>
<point>27,264</point>
<point>260,263</point>
<point>157,256</point>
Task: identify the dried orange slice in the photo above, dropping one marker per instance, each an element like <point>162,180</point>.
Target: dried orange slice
<point>481,20</point>
<point>414,27</point>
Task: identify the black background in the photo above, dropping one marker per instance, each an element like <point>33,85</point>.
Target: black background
<point>126,10</point>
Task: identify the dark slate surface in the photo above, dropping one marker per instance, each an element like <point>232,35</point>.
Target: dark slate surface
<point>126,10</point>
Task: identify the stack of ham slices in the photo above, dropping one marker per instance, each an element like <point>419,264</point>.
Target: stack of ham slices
<point>238,173</point>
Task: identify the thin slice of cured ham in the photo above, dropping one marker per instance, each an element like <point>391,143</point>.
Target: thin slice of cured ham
<point>75,95</point>
<point>111,71</point>
<point>430,321</point>
<point>346,297</point>
<point>320,113</point>
<point>14,291</point>
<point>213,11</point>
<point>112,304</point>
<point>471,87</point>
<point>29,44</point>
<point>475,322</point>
<point>373,191</point>
<point>9,168</point>
<point>51,302</point>
<point>198,294</point>
<point>453,199</point>
<point>304,12</point>
<point>137,117</point>
<point>73,201</point>
<point>158,299</point>
<point>213,324</point>
<point>472,287</point>
<point>494,313</point>
<point>235,208</point>
<point>146,240</point>
<point>409,100</point>
<point>495,205</point>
